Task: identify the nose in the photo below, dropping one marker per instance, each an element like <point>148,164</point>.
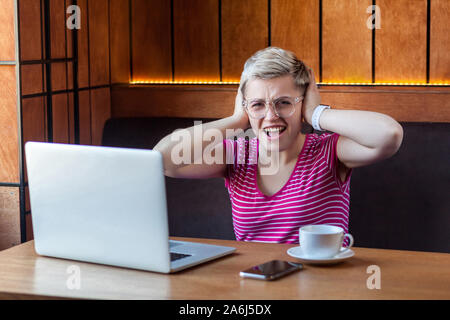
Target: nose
<point>270,113</point>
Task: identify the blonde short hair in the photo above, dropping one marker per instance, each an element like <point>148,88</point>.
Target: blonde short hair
<point>274,62</point>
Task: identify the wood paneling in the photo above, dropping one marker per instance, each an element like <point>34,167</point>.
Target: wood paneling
<point>85,117</point>
<point>401,43</point>
<point>346,41</point>
<point>30,29</point>
<point>100,111</point>
<point>9,152</point>
<point>151,40</point>
<point>31,77</point>
<point>98,42</point>
<point>70,108</point>
<point>34,122</point>
<point>196,40</point>
<point>440,41</point>
<point>7,38</point>
<point>69,68</point>
<point>29,227</point>
<point>59,80</point>
<point>9,217</point>
<point>83,47</point>
<point>27,199</point>
<point>403,104</point>
<point>34,119</point>
<point>60,118</point>
<point>120,41</point>
<point>57,29</point>
<point>243,25</point>
<point>69,32</point>
<point>167,101</point>
<point>295,27</point>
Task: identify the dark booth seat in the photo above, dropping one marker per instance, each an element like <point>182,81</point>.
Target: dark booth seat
<point>399,203</point>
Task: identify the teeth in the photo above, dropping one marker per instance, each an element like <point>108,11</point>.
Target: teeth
<point>270,131</point>
<point>277,129</point>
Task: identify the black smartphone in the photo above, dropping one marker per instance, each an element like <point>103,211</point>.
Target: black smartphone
<point>271,270</point>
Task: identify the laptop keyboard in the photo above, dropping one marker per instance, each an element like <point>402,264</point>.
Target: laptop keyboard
<point>177,256</point>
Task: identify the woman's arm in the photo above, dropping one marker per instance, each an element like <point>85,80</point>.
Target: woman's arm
<point>365,137</point>
<point>196,140</point>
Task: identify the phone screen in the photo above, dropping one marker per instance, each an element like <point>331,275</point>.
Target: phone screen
<point>271,270</point>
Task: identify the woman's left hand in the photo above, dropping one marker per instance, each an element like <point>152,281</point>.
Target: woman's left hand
<point>312,97</point>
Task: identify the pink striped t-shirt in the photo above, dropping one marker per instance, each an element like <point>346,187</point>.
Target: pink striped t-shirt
<point>314,193</point>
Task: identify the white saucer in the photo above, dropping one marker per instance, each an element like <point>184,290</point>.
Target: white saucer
<point>296,252</point>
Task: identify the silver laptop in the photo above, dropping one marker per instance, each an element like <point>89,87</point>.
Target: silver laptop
<point>106,205</point>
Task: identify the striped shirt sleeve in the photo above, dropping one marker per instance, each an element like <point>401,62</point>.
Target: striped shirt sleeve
<point>328,149</point>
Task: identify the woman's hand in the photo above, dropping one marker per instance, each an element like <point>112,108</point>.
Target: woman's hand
<point>312,97</point>
<point>240,114</point>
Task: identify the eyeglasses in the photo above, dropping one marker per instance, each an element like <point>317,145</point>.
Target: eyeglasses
<point>283,107</point>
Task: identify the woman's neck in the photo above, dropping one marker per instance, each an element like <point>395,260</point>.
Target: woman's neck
<point>283,157</point>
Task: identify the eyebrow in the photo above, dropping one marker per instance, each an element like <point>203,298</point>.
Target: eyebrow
<point>259,99</point>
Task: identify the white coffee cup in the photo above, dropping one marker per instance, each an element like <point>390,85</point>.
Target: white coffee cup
<point>323,241</point>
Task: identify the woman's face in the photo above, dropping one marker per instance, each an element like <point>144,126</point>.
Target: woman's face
<point>284,131</point>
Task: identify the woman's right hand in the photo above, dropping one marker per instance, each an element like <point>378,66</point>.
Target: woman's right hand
<point>240,114</point>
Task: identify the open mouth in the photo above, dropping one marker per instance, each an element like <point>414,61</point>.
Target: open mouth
<point>274,132</point>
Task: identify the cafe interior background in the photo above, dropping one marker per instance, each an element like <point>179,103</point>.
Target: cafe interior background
<point>182,59</point>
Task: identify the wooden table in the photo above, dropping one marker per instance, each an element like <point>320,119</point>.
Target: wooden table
<point>404,275</point>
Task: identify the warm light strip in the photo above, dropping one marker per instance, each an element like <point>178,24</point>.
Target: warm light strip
<point>384,84</point>
<point>184,82</point>
<point>320,83</point>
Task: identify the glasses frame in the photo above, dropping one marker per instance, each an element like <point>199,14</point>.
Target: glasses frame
<point>272,102</point>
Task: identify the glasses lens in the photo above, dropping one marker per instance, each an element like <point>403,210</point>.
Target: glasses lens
<point>284,107</point>
<point>257,109</point>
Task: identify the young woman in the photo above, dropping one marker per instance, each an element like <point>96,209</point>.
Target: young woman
<point>283,179</point>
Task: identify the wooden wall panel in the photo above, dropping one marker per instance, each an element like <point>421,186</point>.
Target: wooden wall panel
<point>151,40</point>
<point>98,42</point>
<point>120,41</point>
<point>27,199</point>
<point>346,41</point>
<point>30,29</point>
<point>31,77</point>
<point>243,26</point>
<point>29,227</point>
<point>401,43</point>
<point>217,102</point>
<point>9,217</point>
<point>9,152</point>
<point>69,32</point>
<point>70,108</point>
<point>34,122</point>
<point>100,112</point>
<point>60,114</point>
<point>57,29</point>
<point>59,76</point>
<point>85,117</point>
<point>440,41</point>
<point>83,47</point>
<point>196,40</point>
<point>403,104</point>
<point>7,38</point>
<point>69,68</point>
<point>295,27</point>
